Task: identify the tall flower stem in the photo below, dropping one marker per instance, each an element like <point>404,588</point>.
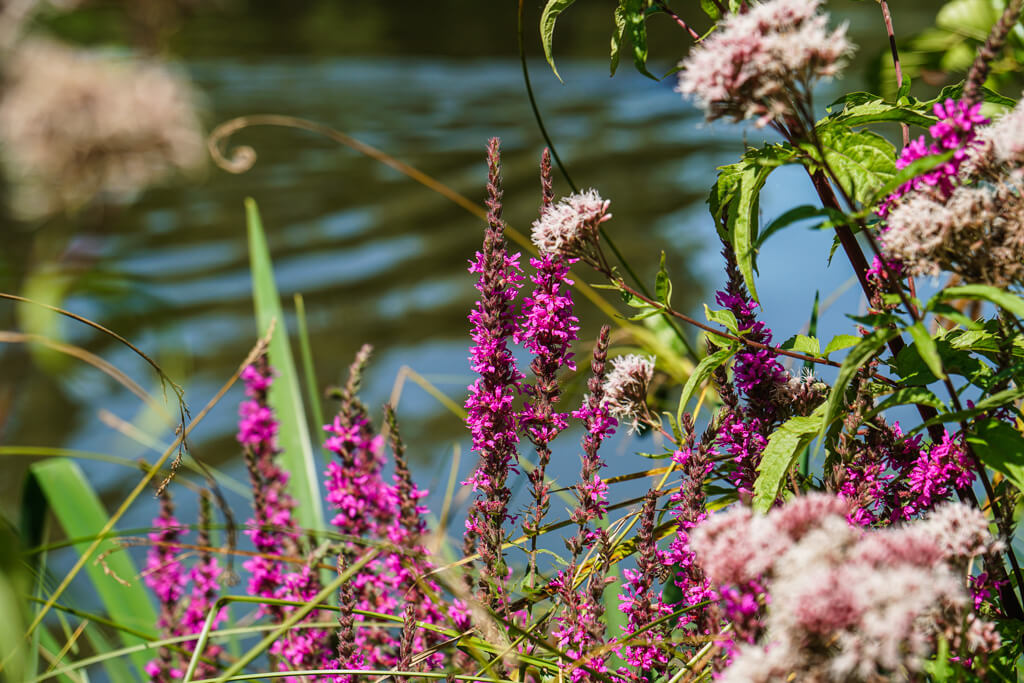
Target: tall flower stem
<point>491,417</point>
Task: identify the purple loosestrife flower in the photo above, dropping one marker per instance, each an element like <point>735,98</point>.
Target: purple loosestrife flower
<point>757,62</point>
<point>580,624</point>
<point>165,576</point>
<point>939,472</point>
<point>491,417</point>
<point>271,527</point>
<point>548,330</point>
<point>956,130</point>
<point>625,389</point>
<point>642,602</point>
<point>689,508</point>
<point>370,508</point>
<point>759,377</point>
<point>204,576</point>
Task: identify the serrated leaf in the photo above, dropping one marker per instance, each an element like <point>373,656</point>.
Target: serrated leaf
<point>547,28</point>
<point>878,111</point>
<point>285,394</point>
<point>999,446</point>
<point>956,92</point>
<point>784,446</point>
<point>704,368</point>
<point>927,349</point>
<point>840,342</point>
<point>862,161</point>
<point>803,344</point>
<point>663,285</point>
<point>724,317</point>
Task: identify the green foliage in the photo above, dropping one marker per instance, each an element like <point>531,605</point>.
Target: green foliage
<point>784,447</point>
<point>74,503</point>
<point>285,394</point>
<point>861,162</point>
<point>999,446</point>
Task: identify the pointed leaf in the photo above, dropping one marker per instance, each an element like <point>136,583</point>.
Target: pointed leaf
<point>663,286</point>
<point>927,349</point>
<point>784,446</point>
<point>547,28</point>
<point>285,395</point>
<point>707,365</point>
<point>637,28</point>
<point>1000,297</point>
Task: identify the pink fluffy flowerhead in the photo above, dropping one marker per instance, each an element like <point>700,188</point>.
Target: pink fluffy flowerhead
<point>755,61</point>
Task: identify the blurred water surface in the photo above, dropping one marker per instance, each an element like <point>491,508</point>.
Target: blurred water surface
<point>378,258</point>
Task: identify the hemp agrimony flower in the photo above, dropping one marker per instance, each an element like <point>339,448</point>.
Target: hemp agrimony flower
<point>762,62</point>
<point>626,388</point>
<point>571,228</point>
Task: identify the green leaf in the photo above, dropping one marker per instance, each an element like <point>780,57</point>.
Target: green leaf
<point>956,92</point>
<point>724,317</point>
<point>878,111</point>
<point>617,35</point>
<point>862,161</point>
<point>637,29</point>
<point>915,371</point>
<point>999,446</point>
<point>1000,297</point>
<point>840,342</point>
<point>81,514</point>
<point>704,368</point>
<point>908,396</point>
<point>742,221</point>
<point>927,349</point>
<point>795,215</point>
<point>860,354</point>
<point>663,285</point>
<point>547,28</point>
<point>784,446</point>
<point>803,344</point>
<point>285,395</point>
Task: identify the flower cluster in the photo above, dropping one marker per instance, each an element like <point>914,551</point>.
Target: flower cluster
<point>572,227</point>
<point>966,215</point>
<point>758,61</point>
<point>166,576</point>
<point>841,603</point>
<point>625,389</point>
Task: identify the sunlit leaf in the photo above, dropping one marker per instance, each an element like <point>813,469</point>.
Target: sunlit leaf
<point>285,395</point>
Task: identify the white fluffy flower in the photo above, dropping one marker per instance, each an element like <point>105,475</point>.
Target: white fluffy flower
<point>755,62</point>
<point>570,227</point>
<point>625,388</point>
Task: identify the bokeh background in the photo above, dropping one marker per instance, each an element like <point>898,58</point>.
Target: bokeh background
<point>378,258</point>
